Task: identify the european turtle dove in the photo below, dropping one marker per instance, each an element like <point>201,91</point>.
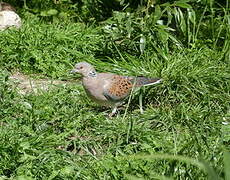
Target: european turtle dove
<point>109,89</point>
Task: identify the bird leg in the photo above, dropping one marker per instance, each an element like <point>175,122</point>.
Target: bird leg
<point>141,101</point>
<point>113,112</point>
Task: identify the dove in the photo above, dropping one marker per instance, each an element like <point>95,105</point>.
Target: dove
<point>108,89</point>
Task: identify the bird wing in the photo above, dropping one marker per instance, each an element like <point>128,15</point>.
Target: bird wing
<point>118,88</point>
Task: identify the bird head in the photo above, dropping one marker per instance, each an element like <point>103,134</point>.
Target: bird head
<point>84,68</point>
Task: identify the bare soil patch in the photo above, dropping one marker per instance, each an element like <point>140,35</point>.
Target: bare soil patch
<point>26,84</point>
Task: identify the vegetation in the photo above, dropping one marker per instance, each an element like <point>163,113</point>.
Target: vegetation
<point>59,134</point>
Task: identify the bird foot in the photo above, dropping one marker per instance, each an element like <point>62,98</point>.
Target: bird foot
<point>113,112</point>
<point>111,115</point>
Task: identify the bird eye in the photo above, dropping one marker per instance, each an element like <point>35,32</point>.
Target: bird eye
<point>81,67</point>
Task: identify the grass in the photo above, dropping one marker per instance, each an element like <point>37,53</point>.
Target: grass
<point>60,134</point>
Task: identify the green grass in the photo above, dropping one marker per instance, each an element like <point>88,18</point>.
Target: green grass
<point>60,134</point>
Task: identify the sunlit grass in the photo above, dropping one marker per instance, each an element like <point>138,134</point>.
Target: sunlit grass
<point>60,134</point>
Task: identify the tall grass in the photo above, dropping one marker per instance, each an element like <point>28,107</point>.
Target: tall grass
<point>48,49</point>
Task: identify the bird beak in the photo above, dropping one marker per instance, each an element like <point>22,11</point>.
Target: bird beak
<point>73,71</point>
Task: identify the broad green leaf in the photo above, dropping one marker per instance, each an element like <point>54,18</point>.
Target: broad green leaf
<point>162,33</point>
<point>43,13</point>
<point>192,16</point>
<point>122,2</point>
<point>52,12</point>
<point>182,4</point>
<point>165,4</point>
<point>169,15</point>
<point>157,13</point>
<point>182,21</point>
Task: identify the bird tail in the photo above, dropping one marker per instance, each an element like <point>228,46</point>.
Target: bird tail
<point>144,81</point>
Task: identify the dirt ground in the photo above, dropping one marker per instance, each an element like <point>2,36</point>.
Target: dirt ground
<point>25,84</point>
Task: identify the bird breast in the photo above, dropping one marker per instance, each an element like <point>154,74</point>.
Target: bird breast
<point>94,88</point>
